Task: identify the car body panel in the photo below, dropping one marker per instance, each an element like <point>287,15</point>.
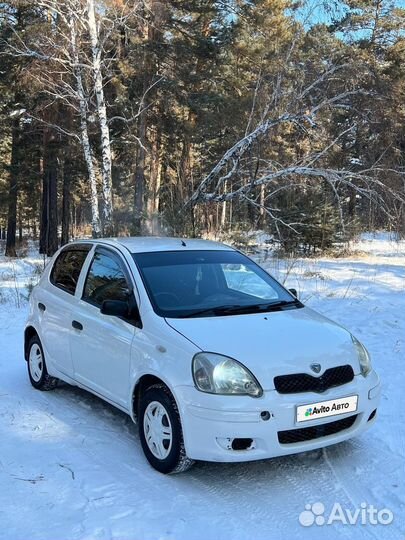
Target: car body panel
<point>101,352</point>
<point>210,420</point>
<point>275,343</point>
<point>155,243</point>
<point>52,325</point>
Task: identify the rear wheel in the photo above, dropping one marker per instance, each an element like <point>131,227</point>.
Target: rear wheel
<point>160,431</point>
<point>37,372</point>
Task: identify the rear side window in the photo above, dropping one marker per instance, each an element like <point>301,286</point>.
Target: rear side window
<point>105,281</point>
<point>66,270</point>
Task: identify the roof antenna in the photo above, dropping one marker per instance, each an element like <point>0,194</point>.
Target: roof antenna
<point>183,243</point>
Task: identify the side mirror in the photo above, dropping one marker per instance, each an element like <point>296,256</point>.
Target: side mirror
<point>115,308</point>
<point>294,292</point>
<point>120,308</point>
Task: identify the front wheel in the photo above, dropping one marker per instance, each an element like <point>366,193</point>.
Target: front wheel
<point>160,431</point>
<point>37,372</point>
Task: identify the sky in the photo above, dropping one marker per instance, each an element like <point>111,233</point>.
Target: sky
<point>321,11</point>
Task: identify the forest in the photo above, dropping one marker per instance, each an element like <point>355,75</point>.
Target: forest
<point>201,118</point>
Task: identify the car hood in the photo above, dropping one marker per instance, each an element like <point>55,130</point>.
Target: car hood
<point>275,343</point>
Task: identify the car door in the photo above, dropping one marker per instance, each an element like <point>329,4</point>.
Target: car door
<point>55,300</point>
<point>101,344</point>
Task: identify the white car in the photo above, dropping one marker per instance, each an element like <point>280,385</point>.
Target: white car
<point>212,357</point>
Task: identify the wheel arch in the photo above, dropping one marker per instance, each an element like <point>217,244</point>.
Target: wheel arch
<point>29,333</point>
<point>143,383</point>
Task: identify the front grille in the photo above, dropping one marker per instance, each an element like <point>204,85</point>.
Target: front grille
<point>292,436</point>
<point>302,382</point>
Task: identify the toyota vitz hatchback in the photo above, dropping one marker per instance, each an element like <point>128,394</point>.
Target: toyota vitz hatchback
<point>209,354</point>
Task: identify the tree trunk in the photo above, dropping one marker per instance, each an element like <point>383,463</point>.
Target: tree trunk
<point>84,135</point>
<point>20,227</point>
<point>66,177</point>
<point>223,212</point>
<point>140,176</point>
<point>375,23</point>
<point>13,192</point>
<point>43,224</point>
<point>351,209</point>
<point>153,18</point>
<point>102,116</point>
<point>52,171</point>
<point>155,174</point>
<point>262,210</point>
<point>49,214</point>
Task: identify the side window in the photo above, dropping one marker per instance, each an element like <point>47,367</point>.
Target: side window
<point>66,270</point>
<point>105,280</point>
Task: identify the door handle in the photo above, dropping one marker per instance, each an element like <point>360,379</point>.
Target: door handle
<point>77,325</point>
<point>41,306</point>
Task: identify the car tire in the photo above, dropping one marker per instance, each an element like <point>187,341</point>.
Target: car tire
<point>160,431</point>
<point>37,372</point>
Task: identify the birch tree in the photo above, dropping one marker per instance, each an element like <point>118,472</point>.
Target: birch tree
<point>59,67</point>
<point>62,66</point>
<point>96,55</point>
<point>87,150</point>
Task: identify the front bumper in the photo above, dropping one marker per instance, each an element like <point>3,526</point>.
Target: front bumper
<point>210,422</point>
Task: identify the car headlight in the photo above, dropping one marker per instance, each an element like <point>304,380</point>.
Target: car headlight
<point>218,374</point>
<point>364,357</point>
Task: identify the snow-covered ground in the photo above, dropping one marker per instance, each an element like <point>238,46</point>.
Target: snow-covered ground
<point>71,466</point>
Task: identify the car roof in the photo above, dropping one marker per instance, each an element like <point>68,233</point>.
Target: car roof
<point>142,244</point>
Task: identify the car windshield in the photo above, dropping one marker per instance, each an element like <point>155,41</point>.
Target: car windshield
<point>208,284</point>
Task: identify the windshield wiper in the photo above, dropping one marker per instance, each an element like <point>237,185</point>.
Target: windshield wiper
<point>279,304</point>
<point>216,310</point>
<point>271,306</point>
<point>239,308</point>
